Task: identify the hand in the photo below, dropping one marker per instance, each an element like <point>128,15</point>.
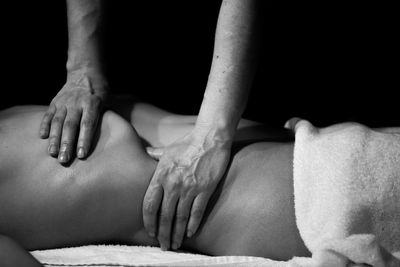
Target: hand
<point>186,176</point>
<point>74,112</point>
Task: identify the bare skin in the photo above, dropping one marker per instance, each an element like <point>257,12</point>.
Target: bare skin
<point>47,205</point>
<point>12,254</point>
<point>72,116</point>
<point>189,169</point>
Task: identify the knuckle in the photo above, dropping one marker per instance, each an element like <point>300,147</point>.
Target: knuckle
<point>44,125</point>
<point>69,106</point>
<point>190,182</point>
<point>70,124</point>
<point>197,214</point>
<point>181,218</point>
<point>82,142</point>
<point>165,219</point>
<point>57,120</point>
<point>149,208</point>
<point>174,184</point>
<point>159,176</point>
<point>64,143</point>
<point>88,123</point>
<point>46,116</point>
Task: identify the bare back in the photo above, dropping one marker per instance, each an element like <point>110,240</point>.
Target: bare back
<point>46,205</point>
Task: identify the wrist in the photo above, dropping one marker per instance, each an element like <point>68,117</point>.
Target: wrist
<point>89,78</point>
<point>220,133</point>
<point>85,55</point>
<point>216,121</point>
<point>75,63</point>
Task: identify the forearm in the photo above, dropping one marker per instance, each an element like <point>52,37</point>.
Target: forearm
<point>233,67</point>
<point>84,33</point>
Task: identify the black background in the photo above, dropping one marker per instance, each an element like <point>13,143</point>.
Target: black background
<point>327,62</point>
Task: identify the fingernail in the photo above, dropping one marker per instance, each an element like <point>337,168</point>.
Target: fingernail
<point>175,246</point>
<point>42,133</point>
<point>164,248</point>
<point>63,157</point>
<point>189,234</point>
<point>52,149</point>
<point>152,234</point>
<point>81,153</point>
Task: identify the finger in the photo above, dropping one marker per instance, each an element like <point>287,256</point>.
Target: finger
<point>70,128</point>
<point>155,152</point>
<point>151,205</point>
<point>88,127</point>
<point>197,212</point>
<point>45,124</point>
<point>55,131</point>
<point>165,220</point>
<point>181,220</point>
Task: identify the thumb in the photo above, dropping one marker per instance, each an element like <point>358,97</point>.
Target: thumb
<point>155,152</point>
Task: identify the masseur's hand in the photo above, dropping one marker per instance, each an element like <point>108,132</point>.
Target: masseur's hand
<point>71,119</point>
<point>186,176</point>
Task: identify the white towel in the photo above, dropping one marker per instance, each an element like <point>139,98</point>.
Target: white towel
<point>347,204</point>
<point>127,256</point>
<point>347,194</point>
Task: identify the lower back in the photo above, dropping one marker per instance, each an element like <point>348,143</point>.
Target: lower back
<point>99,199</point>
<point>252,210</point>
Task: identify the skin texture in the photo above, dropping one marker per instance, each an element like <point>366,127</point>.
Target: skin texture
<point>72,116</point>
<point>99,200</point>
<point>190,168</point>
<point>12,254</point>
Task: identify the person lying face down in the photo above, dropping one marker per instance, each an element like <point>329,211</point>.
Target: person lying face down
<point>71,118</point>
<point>99,200</point>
